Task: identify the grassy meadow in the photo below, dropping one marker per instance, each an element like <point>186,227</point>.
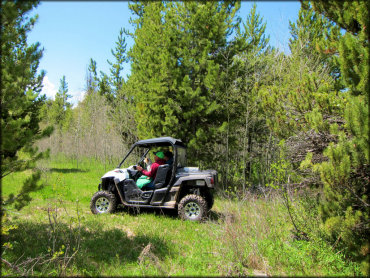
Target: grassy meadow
<point>57,235</point>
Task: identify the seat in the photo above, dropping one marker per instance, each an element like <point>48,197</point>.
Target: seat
<point>133,193</point>
<point>161,177</point>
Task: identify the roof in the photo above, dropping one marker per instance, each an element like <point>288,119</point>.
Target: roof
<point>160,141</point>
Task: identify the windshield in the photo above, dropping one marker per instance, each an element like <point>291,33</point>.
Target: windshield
<point>135,157</point>
<point>181,157</point>
<point>138,154</point>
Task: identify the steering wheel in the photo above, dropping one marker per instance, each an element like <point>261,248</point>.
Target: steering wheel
<point>134,173</point>
<point>137,175</point>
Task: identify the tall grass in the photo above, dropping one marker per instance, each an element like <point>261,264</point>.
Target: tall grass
<point>257,235</point>
<point>57,234</point>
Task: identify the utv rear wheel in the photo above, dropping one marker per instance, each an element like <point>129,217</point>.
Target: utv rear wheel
<point>103,202</point>
<point>193,208</point>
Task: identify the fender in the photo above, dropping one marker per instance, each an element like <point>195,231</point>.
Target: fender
<point>199,180</point>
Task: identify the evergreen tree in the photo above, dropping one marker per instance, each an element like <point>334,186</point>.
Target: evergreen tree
<point>247,67</point>
<point>176,68</point>
<point>149,69</point>
<point>60,109</point>
<point>345,208</point>
<point>119,53</point>
<point>254,32</point>
<point>310,34</point>
<point>353,50</point>
<point>92,79</point>
<point>254,62</point>
<point>306,101</point>
<point>304,96</point>
<point>104,87</point>
<point>96,84</point>
<point>20,97</point>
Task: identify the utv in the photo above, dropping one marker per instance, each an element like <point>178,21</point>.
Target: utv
<point>186,189</point>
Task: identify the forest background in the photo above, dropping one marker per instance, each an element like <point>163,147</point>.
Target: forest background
<point>295,123</point>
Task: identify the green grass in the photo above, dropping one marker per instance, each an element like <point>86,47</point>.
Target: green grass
<point>57,234</point>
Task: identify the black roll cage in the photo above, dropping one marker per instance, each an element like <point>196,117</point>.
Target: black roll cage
<point>157,142</point>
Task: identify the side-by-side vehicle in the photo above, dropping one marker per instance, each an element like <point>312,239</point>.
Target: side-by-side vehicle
<point>176,186</point>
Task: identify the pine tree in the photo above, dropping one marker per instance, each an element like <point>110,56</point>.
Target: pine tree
<point>122,107</point>
<point>304,95</point>
<point>176,68</point>
<point>345,208</point>
<point>92,79</point>
<point>206,29</point>
<point>119,53</point>
<point>20,97</point>
<point>311,34</point>
<point>353,51</point>
<point>249,69</point>
<point>254,65</point>
<point>61,107</point>
<point>145,83</point>
<point>303,99</point>
<point>104,87</point>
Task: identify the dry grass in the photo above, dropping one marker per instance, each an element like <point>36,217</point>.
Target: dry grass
<point>244,225</point>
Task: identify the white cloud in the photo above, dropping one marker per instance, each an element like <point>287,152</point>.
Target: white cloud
<point>77,97</point>
<point>48,88</point>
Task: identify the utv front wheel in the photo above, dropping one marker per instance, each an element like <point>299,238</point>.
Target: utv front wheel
<point>103,202</point>
<point>193,208</point>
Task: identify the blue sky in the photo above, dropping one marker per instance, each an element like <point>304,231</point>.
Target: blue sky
<point>72,32</point>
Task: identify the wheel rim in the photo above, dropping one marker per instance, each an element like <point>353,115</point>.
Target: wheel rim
<point>192,210</point>
<point>102,204</point>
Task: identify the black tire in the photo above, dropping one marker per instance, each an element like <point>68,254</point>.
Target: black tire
<point>103,202</point>
<point>193,207</point>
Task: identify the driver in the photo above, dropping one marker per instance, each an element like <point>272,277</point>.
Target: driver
<point>150,175</point>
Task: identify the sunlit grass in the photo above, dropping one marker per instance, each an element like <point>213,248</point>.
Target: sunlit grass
<point>248,237</point>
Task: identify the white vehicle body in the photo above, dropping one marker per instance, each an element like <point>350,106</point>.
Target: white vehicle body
<point>120,174</point>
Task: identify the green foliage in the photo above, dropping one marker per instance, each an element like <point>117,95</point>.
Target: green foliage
<point>254,32</point>
<point>98,85</point>
<point>119,53</point>
<point>305,93</point>
<point>281,171</point>
<point>60,110</point>
<point>176,68</point>
<point>91,77</point>
<point>104,87</point>
<point>345,208</point>
<point>20,95</point>
<point>248,71</point>
<point>316,37</point>
<point>306,99</point>
<point>353,49</point>
<point>120,98</point>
